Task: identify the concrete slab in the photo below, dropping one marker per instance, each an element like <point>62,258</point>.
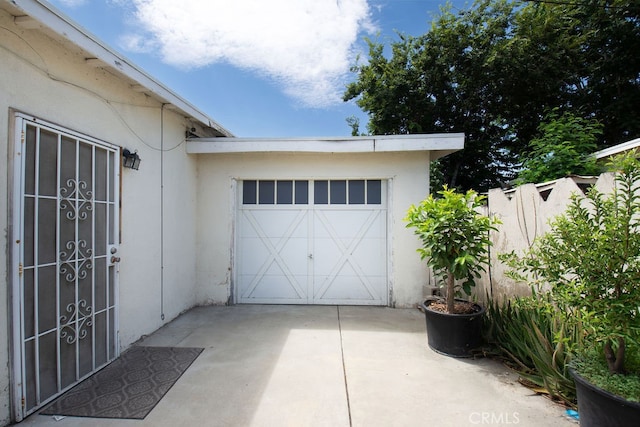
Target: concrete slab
<point>394,379</point>
<point>327,366</point>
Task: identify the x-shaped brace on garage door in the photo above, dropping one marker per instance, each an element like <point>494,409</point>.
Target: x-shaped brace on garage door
<point>347,254</point>
<point>274,254</point>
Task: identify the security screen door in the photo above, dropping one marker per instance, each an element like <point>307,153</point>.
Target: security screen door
<point>66,227</point>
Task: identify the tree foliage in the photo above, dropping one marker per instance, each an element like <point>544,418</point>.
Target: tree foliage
<point>494,71</point>
<point>563,148</point>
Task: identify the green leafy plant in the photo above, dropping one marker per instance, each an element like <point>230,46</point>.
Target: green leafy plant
<point>455,238</point>
<point>563,148</point>
<point>534,340</point>
<point>591,260</point>
<point>592,365</point>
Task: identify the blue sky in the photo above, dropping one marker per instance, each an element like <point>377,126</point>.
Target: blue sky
<point>260,68</point>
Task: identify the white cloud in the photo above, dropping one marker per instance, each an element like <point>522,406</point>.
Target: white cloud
<point>307,46</point>
<point>72,3</point>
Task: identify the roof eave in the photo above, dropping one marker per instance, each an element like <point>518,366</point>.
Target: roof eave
<point>617,149</point>
<point>435,143</point>
<point>99,53</point>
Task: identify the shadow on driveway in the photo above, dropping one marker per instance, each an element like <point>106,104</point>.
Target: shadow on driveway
<point>327,366</point>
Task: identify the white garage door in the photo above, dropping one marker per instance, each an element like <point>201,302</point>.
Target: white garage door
<point>312,242</point>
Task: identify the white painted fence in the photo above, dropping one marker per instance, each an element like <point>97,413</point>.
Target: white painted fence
<point>525,213</point>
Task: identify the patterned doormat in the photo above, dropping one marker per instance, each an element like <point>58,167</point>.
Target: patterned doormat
<point>130,387</point>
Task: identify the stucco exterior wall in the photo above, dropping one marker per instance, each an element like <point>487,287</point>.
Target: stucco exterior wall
<point>51,80</point>
<point>217,174</point>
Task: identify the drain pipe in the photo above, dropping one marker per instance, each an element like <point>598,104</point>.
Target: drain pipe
<point>162,212</point>
<point>489,269</point>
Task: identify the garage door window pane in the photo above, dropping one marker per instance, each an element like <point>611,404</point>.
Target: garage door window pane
<point>266,192</point>
<point>249,192</point>
<point>374,192</point>
<point>302,192</point>
<point>285,192</point>
<point>334,192</point>
<point>356,192</point>
<point>321,192</point>
<point>338,192</point>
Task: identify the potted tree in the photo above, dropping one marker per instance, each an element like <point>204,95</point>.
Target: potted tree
<point>455,243</point>
<point>590,261</point>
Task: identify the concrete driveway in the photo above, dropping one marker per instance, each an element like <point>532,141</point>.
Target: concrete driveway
<point>327,366</point>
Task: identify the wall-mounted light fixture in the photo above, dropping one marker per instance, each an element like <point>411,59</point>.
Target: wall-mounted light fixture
<point>130,160</point>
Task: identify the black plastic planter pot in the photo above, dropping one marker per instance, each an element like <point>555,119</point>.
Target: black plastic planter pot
<point>453,334</point>
<point>599,408</point>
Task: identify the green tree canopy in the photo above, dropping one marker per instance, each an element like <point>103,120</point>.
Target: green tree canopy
<point>493,71</point>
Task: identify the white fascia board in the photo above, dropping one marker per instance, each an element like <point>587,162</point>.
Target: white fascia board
<point>433,142</point>
<point>616,149</point>
<point>357,144</point>
<point>62,25</point>
<point>284,145</point>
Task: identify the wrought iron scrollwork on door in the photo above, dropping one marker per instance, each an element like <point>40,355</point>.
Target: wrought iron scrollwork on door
<point>75,204</point>
<point>76,200</point>
<point>79,314</point>
<point>76,263</point>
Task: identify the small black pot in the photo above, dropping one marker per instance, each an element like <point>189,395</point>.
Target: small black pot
<point>453,334</point>
<point>599,408</point>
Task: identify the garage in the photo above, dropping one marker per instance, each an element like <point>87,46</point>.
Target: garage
<point>312,242</point>
<point>312,220</point>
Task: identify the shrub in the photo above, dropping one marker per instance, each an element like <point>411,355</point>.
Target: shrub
<point>455,237</point>
<point>590,259</point>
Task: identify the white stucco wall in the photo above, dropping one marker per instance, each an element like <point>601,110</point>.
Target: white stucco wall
<point>408,173</point>
<point>526,215</point>
<point>51,81</point>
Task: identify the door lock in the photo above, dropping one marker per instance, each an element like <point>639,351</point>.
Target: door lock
<point>113,250</point>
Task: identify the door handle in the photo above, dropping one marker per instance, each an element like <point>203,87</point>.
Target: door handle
<point>115,259</point>
<point>310,256</point>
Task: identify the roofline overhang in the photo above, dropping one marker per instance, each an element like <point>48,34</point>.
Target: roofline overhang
<point>101,55</point>
<point>438,144</point>
<point>617,149</point>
